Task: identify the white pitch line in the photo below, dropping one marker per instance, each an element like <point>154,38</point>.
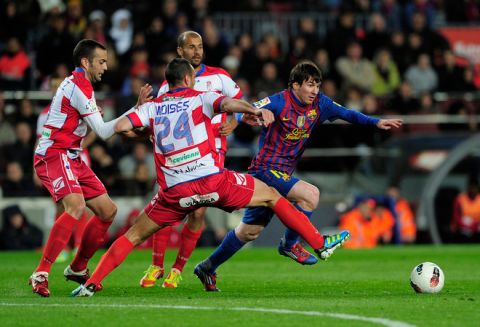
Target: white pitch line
<point>380,321</point>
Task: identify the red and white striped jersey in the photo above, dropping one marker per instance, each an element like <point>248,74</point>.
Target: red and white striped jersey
<point>65,127</point>
<point>215,79</point>
<point>184,146</point>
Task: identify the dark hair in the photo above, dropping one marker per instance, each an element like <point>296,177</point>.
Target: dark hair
<point>303,71</point>
<point>85,49</point>
<point>176,70</point>
<point>183,37</point>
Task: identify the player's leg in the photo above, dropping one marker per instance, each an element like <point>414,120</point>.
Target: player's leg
<point>304,197</point>
<point>296,220</point>
<point>253,223</point>
<point>143,228</point>
<point>191,232</point>
<point>159,246</point>
<point>93,237</point>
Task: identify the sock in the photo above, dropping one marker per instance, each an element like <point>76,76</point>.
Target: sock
<point>230,245</point>
<point>93,237</point>
<point>115,255</point>
<point>188,243</point>
<point>297,221</point>
<point>57,240</point>
<point>291,237</point>
<point>76,238</point>
<point>160,241</point>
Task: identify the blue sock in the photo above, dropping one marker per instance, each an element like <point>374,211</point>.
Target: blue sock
<point>290,236</point>
<point>229,246</point>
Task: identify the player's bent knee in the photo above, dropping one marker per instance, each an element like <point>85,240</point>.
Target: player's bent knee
<point>314,196</point>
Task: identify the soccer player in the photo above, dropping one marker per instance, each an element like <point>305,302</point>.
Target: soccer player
<point>58,165</point>
<point>297,111</point>
<point>188,169</point>
<point>207,78</point>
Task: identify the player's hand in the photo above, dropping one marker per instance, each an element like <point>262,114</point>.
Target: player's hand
<point>251,119</point>
<point>144,95</point>
<point>100,110</point>
<point>266,117</point>
<point>227,128</point>
<point>389,123</point>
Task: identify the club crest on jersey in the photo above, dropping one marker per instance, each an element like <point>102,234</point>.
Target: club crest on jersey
<point>312,114</point>
<point>301,121</point>
<point>261,103</point>
<point>209,85</point>
<point>198,199</point>
<point>91,106</point>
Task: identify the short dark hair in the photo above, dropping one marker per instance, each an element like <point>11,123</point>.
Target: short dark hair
<point>303,71</point>
<point>176,70</point>
<point>85,49</point>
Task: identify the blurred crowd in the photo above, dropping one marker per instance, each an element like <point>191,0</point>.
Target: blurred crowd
<point>392,65</point>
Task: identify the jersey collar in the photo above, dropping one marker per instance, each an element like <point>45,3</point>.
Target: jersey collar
<point>201,70</point>
<point>178,89</point>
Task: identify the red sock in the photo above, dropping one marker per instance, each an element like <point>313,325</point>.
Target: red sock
<point>189,241</point>
<point>78,232</point>
<point>111,259</point>
<point>93,237</point>
<point>296,220</point>
<point>160,241</point>
<point>57,240</point>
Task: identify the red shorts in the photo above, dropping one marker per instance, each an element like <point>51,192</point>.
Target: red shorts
<point>227,190</point>
<point>62,176</point>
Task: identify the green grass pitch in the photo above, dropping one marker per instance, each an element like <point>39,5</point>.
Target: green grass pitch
<point>259,288</point>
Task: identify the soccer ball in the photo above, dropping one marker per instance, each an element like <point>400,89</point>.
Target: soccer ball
<point>427,277</point>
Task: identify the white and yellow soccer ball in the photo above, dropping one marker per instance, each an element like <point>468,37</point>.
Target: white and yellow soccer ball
<point>427,277</point>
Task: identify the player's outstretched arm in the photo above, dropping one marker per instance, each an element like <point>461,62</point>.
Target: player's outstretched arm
<point>389,123</point>
<point>144,95</point>
<point>233,105</point>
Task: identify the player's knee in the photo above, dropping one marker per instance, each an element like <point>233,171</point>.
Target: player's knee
<point>76,210</point>
<point>313,196</point>
<point>248,233</point>
<point>273,195</point>
<point>107,213</point>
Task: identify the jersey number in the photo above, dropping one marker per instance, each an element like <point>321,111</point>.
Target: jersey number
<point>180,131</point>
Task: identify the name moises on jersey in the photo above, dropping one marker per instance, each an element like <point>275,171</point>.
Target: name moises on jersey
<point>166,108</point>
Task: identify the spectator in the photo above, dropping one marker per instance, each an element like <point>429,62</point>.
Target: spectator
<point>392,13</point>
<point>450,75</point>
<point>386,76</point>
<point>22,150</point>
<point>354,69</point>
<point>366,227</point>
<point>269,82</point>
<point>76,21</point>
<point>122,32</point>
<point>13,23</point>
<point>158,41</point>
<point>377,37</point>
<point>399,51</point>
<point>139,166</point>
<point>404,102</point>
<point>7,133</point>
<point>14,66</point>
<point>55,47</point>
<point>97,26</point>
<point>341,36</point>
<point>17,233</point>
<point>25,113</point>
<point>214,43</point>
<point>422,77</point>
<point>406,226</point>
<point>466,212</point>
<point>16,184</point>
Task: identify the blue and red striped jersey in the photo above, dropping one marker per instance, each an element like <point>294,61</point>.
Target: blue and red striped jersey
<point>283,142</point>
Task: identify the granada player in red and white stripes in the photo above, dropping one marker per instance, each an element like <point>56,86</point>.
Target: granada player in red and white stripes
<point>68,179</point>
<point>207,78</point>
<point>188,169</point>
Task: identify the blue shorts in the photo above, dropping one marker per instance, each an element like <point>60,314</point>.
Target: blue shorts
<point>280,181</point>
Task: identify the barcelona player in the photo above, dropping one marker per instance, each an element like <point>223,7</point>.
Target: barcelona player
<point>297,111</point>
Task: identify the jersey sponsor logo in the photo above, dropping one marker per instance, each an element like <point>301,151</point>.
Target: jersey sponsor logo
<point>58,184</point>
<point>183,157</point>
<point>297,134</point>
<point>172,107</point>
<point>199,199</point>
<point>46,132</point>
<point>171,98</point>
<point>301,121</point>
<point>261,103</point>
<point>240,179</point>
<point>188,169</point>
<point>285,118</point>
<point>91,106</point>
<point>312,114</point>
